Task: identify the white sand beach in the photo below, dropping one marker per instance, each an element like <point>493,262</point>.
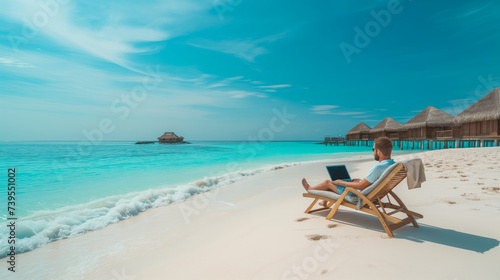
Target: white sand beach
<point>256,228</point>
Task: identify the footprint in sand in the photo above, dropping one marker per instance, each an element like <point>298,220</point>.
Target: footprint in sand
<point>464,176</point>
<point>459,172</point>
<point>316,237</point>
<point>301,219</point>
<point>324,271</point>
<point>463,180</point>
<point>491,189</point>
<point>331,225</point>
<point>451,202</point>
<point>470,196</point>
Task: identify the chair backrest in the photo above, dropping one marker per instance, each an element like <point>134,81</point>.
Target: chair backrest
<point>390,181</point>
<point>377,182</point>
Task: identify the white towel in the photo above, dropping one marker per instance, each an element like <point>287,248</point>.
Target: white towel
<point>415,172</point>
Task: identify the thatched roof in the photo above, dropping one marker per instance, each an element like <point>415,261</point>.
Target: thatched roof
<point>486,108</point>
<point>429,117</point>
<point>388,125</point>
<point>360,128</point>
<point>169,135</point>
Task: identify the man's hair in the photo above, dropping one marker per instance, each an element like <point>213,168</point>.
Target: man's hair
<point>384,144</point>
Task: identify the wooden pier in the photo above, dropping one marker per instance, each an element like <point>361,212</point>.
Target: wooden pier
<point>334,141</point>
<point>432,144</point>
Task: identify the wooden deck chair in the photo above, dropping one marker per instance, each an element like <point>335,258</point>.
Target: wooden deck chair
<point>371,203</point>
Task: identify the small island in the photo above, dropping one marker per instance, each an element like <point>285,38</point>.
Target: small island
<point>167,138</point>
<point>170,137</point>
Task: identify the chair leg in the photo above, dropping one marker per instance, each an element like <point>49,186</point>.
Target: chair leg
<point>332,212</point>
<point>336,206</point>
<point>380,217</point>
<point>311,206</point>
<point>412,219</point>
<point>400,202</point>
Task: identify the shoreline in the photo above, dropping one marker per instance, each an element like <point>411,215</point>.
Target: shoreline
<point>203,185</point>
<point>250,229</point>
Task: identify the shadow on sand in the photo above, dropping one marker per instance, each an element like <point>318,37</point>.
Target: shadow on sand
<point>425,233</point>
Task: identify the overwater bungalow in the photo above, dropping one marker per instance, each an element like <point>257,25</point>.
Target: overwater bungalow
<point>387,128</point>
<point>481,119</point>
<point>359,132</point>
<point>170,137</point>
<point>427,124</point>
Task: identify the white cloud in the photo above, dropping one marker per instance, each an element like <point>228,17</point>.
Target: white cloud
<point>323,113</point>
<point>467,101</point>
<point>226,82</point>
<point>348,113</point>
<point>359,117</point>
<point>15,63</point>
<point>327,110</point>
<point>245,49</point>
<point>243,94</point>
<point>318,108</point>
<point>108,33</point>
<point>235,78</point>
<point>276,86</point>
<point>217,85</point>
<point>200,79</point>
<point>459,105</point>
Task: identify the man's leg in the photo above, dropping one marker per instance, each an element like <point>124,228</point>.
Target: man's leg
<point>326,185</point>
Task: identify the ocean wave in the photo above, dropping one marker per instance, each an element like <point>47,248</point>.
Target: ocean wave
<point>43,227</point>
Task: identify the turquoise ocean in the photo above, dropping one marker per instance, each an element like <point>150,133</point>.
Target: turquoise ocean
<point>66,188</point>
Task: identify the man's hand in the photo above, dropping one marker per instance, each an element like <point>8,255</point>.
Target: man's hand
<point>356,180</point>
<point>355,185</point>
<point>337,182</point>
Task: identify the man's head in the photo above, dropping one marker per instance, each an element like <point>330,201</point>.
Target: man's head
<point>382,148</point>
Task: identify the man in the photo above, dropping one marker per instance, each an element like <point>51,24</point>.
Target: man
<point>382,149</point>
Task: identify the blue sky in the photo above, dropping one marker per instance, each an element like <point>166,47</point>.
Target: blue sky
<point>220,70</point>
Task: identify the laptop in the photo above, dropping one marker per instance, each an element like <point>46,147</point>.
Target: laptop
<point>338,172</point>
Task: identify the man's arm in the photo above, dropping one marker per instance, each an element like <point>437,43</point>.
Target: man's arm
<point>355,185</point>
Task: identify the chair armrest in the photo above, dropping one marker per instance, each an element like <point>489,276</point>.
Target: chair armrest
<point>355,191</point>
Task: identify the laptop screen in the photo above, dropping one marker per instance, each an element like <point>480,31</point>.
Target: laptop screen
<point>338,172</point>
